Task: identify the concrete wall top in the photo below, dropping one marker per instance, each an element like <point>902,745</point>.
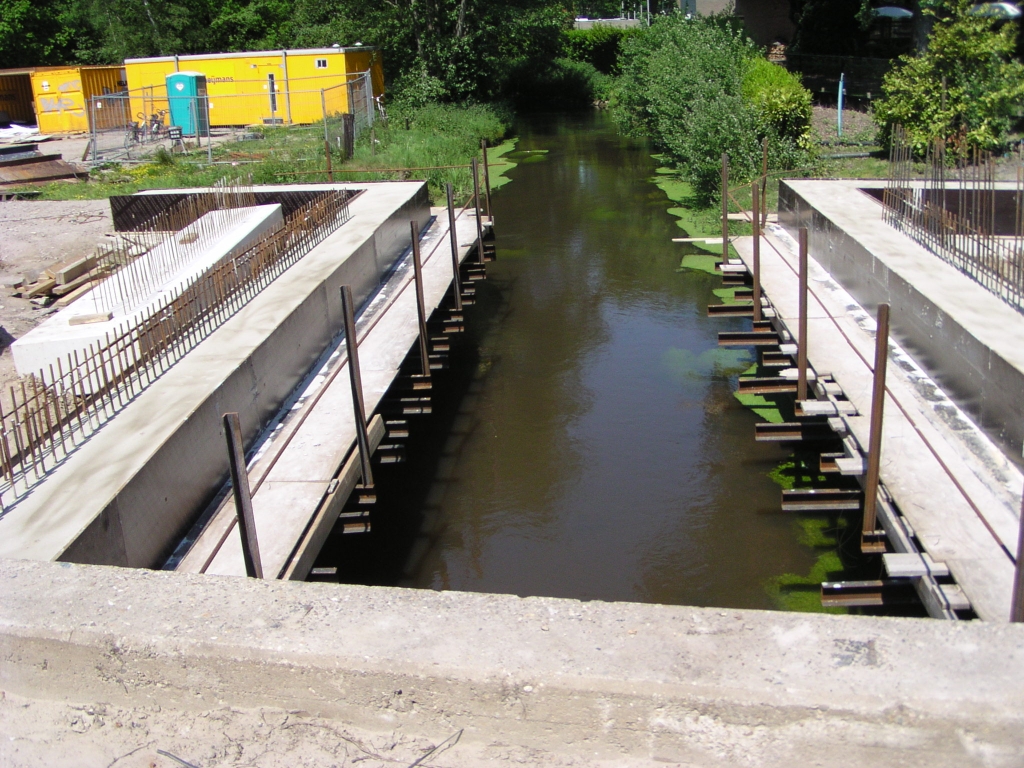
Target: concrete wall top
<point>676,684</point>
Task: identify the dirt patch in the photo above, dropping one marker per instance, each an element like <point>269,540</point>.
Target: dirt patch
<point>34,235</point>
<point>859,128</point>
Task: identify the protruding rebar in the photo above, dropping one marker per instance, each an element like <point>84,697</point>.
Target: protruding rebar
<point>421,308</point>
<point>358,409</point>
<point>756,222</point>
<point>801,348</point>
<point>243,498</point>
<point>869,542</point>
<point>454,238</point>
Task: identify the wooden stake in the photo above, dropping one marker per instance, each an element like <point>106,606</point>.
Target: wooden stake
<point>243,498</point>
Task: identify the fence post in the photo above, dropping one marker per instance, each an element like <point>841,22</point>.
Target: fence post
<point>243,498</point>
<point>869,541</point>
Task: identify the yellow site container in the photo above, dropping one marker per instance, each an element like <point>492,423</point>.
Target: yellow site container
<point>61,95</point>
<point>261,87</point>
<point>16,95</point>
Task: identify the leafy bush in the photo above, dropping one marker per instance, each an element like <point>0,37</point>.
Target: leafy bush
<point>984,85</point>
<point>598,46</point>
<point>782,106</point>
<point>698,88</point>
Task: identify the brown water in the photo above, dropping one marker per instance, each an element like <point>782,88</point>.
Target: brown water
<point>586,442</point>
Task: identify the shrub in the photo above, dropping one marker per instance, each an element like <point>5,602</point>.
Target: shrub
<point>984,85</point>
<point>782,106</point>
<point>699,88</point>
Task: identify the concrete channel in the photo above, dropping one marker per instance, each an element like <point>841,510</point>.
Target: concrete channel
<point>416,677</point>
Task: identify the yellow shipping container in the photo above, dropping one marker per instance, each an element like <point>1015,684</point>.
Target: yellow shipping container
<point>62,94</point>
<point>260,87</point>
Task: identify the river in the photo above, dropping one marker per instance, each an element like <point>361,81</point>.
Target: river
<point>586,443</point>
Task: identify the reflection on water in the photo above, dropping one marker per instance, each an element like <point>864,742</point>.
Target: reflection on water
<point>588,444</point>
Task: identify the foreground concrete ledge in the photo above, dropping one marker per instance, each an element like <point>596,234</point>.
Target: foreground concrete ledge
<point>677,684</point>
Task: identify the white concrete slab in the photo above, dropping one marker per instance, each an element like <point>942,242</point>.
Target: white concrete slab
<point>136,291</point>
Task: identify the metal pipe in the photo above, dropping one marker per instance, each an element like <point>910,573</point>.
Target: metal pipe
<point>487,177</point>
<point>756,221</point>
<point>421,308</point>
<point>801,349</point>
<point>476,204</point>
<point>453,236</point>
<point>358,409</point>
<point>725,208</point>
<point>243,498</point>
<point>875,438</point>
<point>1017,602</point>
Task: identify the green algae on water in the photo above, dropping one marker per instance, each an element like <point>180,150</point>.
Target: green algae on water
<point>700,262</point>
<point>499,163</point>
<point>793,592</point>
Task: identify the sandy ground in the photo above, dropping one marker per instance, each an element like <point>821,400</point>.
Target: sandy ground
<point>36,732</point>
<point>34,235</point>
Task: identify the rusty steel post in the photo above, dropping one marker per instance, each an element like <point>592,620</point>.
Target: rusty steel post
<point>487,177</point>
<point>868,543</point>
<point>243,498</point>
<point>327,154</point>
<point>421,308</point>
<point>358,409</point>
<point>725,208</point>
<point>801,349</point>
<point>476,205</point>
<point>756,222</point>
<point>1017,602</point>
<point>454,237</point>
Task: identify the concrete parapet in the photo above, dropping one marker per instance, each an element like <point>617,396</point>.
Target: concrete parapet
<point>597,681</point>
<point>968,339</point>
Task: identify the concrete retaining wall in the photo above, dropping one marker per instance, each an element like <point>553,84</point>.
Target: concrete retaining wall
<point>967,338</point>
<point>129,495</point>
<point>589,681</point>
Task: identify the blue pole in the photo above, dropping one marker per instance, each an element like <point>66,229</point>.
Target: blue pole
<point>842,90</point>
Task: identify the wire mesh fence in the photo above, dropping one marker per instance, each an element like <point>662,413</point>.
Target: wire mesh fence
<point>56,410</point>
<point>132,124</point>
<point>961,213</point>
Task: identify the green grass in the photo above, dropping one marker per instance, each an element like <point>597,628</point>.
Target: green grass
<point>438,135</point>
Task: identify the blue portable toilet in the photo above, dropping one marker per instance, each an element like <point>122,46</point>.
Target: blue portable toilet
<point>187,102</point>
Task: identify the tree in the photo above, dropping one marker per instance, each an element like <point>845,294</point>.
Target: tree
<point>965,87</point>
